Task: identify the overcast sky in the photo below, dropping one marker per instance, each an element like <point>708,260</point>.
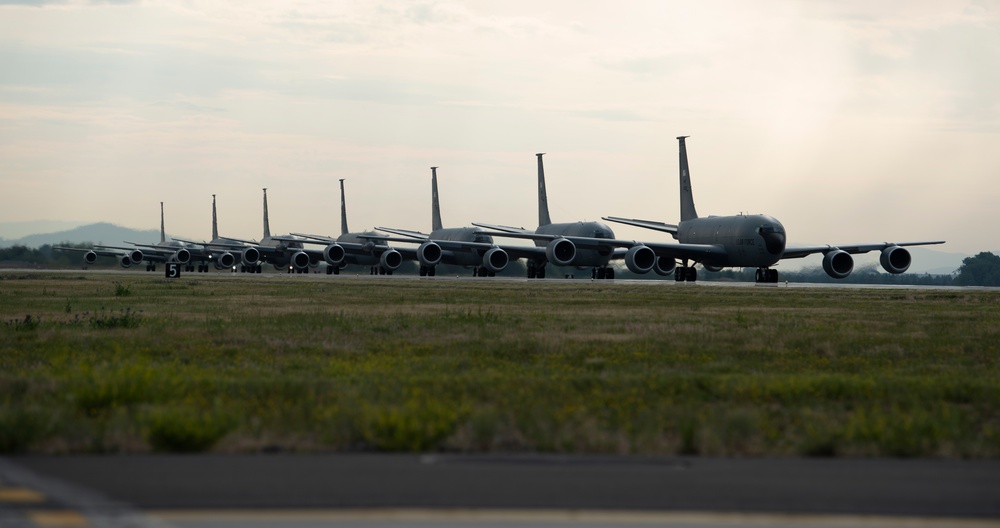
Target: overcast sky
<point>848,121</point>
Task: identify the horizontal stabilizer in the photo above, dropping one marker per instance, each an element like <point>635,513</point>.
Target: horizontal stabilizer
<point>646,224</point>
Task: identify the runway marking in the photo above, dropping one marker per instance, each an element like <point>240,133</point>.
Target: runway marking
<point>57,518</point>
<point>598,517</point>
<point>21,495</point>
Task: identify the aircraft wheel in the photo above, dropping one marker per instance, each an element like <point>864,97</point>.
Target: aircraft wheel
<point>423,271</point>
<point>540,272</point>
<point>609,274</point>
<point>431,271</point>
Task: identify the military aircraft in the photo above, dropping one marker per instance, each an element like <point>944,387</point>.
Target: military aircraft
<point>743,241</point>
<point>219,251</point>
<point>459,246</point>
<point>152,254</point>
<point>282,252</point>
<point>579,244</point>
<point>366,248</point>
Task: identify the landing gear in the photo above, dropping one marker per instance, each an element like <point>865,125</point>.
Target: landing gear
<point>603,272</point>
<point>481,271</point>
<point>536,271</point>
<point>767,276</point>
<point>685,274</point>
<point>428,271</point>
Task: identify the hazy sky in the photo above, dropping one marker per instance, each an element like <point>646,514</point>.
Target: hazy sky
<point>848,121</point>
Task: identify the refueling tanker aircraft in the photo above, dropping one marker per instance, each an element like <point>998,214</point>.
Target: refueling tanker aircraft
<point>219,251</point>
<point>282,252</point>
<point>459,246</point>
<point>742,241</point>
<point>366,248</point>
<point>579,244</point>
<point>165,251</point>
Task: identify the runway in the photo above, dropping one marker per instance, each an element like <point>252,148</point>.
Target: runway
<point>506,490</point>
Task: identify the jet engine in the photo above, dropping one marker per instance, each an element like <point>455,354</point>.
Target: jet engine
<point>495,260</point>
<point>182,256</point>
<point>334,254</point>
<point>713,269</point>
<point>640,259</point>
<point>390,260</point>
<point>429,254</point>
<point>250,256</point>
<point>300,260</point>
<point>225,261</point>
<point>135,256</point>
<point>665,266</point>
<point>895,259</point>
<point>560,252</point>
<point>125,261</point>
<point>90,257</point>
<point>838,263</point>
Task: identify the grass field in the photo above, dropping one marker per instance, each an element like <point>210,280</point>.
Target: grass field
<point>131,363</point>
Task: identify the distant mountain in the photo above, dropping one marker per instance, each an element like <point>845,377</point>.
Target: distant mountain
<point>99,233</point>
<point>10,231</point>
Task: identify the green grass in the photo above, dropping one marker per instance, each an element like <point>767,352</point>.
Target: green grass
<point>240,364</point>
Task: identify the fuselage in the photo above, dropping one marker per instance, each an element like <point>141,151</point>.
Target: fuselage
<point>283,257</point>
<point>461,234</point>
<point>369,258</point>
<point>584,257</point>
<point>749,240</point>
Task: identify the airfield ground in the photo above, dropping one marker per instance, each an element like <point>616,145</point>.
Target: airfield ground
<point>96,363</point>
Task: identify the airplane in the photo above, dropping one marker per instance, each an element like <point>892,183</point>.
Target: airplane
<point>162,252</point>
<point>282,252</point>
<point>743,241</point>
<point>458,246</point>
<point>366,248</point>
<point>579,244</point>
<point>219,251</point>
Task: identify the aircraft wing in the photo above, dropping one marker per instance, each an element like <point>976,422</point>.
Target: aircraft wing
<point>646,224</point>
<point>213,245</point>
<point>405,232</point>
<point>803,251</point>
<point>506,229</point>
<point>100,251</point>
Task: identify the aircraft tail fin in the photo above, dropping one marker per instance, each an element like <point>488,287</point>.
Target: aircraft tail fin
<point>687,198</point>
<point>163,231</point>
<point>543,200</point>
<point>435,203</point>
<point>267,224</point>
<point>215,221</point>
<point>343,210</point>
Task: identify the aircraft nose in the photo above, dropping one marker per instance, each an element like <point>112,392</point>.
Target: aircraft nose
<point>774,241</point>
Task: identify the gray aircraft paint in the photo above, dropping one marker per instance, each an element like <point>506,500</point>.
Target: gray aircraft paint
<point>750,240</point>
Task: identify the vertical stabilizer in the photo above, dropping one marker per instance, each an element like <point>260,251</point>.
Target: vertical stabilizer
<point>267,225</point>
<point>343,210</point>
<point>435,203</point>
<point>163,232</point>
<point>215,221</point>
<point>543,200</point>
<point>687,198</point>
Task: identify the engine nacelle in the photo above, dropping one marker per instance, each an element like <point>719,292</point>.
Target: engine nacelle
<point>182,256</point>
<point>495,260</point>
<point>429,254</point>
<point>665,266</point>
<point>560,252</point>
<point>125,261</point>
<point>300,260</point>
<point>640,259</point>
<point>713,269</point>
<point>90,257</point>
<point>391,260</point>
<point>135,256</point>
<point>838,263</point>
<point>225,261</point>
<point>334,254</point>
<point>895,259</point>
<point>250,256</point>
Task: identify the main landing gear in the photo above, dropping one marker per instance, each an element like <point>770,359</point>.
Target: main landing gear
<point>603,272</point>
<point>536,271</point>
<point>379,270</point>
<point>481,271</point>
<point>685,273</point>
<point>428,271</point>
<point>767,275</point>
<point>332,270</point>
